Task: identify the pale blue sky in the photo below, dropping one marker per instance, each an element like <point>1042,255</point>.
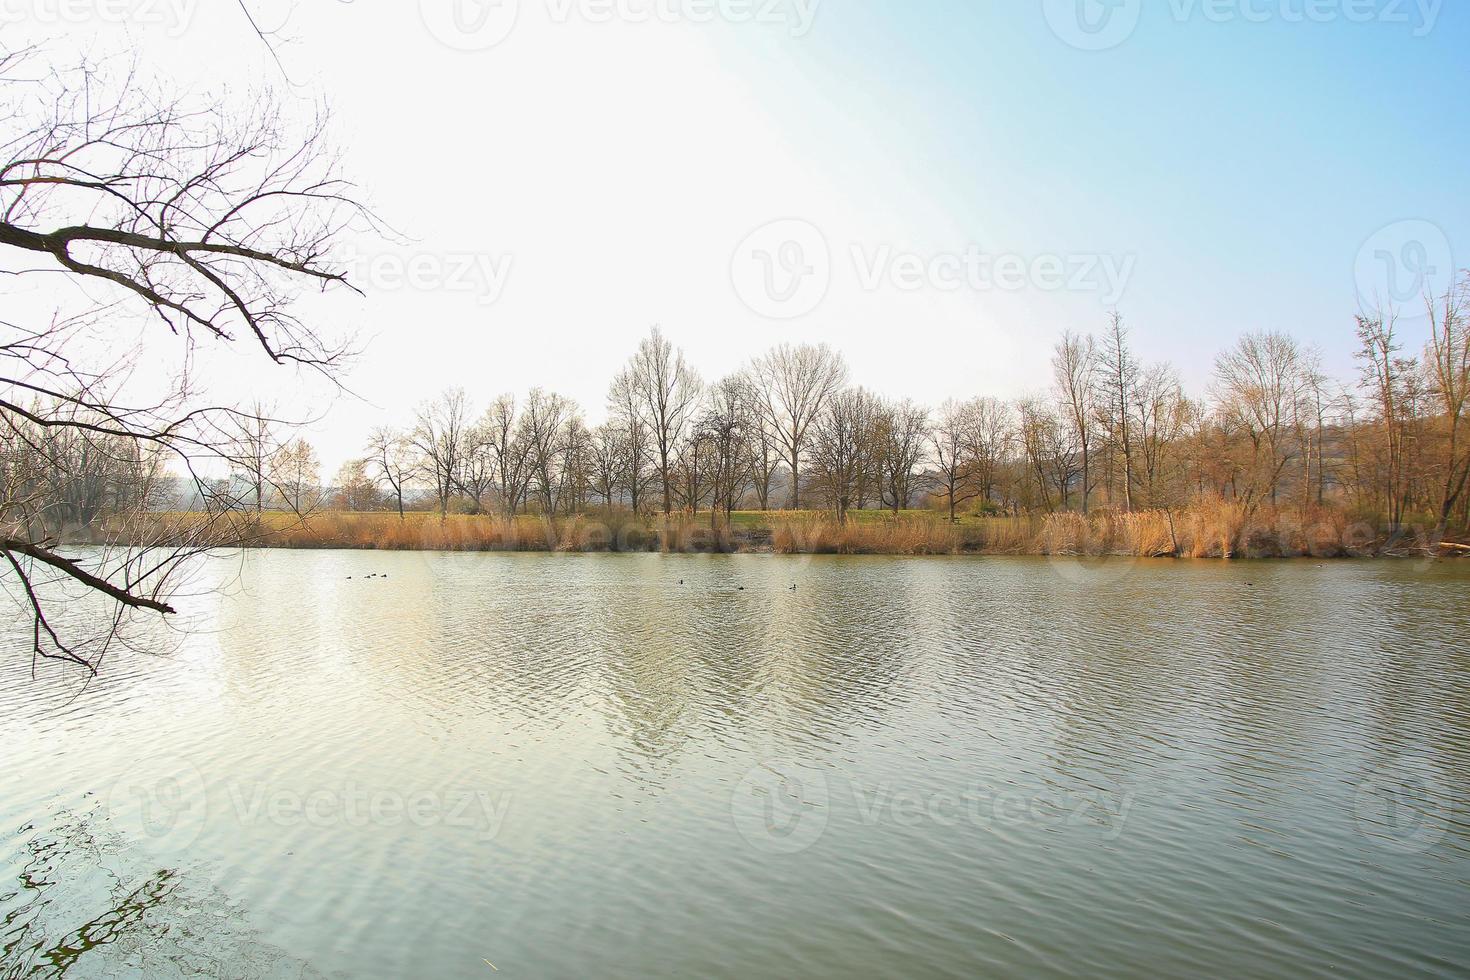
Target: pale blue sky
<point>1244,163</point>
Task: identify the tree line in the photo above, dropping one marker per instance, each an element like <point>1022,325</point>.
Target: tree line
<point>790,430</point>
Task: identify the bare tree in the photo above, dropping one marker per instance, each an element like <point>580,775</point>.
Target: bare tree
<point>1051,453</point>
<point>987,443</point>
<point>727,422</point>
<point>1383,371</point>
<point>668,392</point>
<point>764,452</point>
<point>1074,368</point>
<point>356,490</point>
<point>296,474</point>
<point>1117,377</point>
<point>625,409</point>
<point>1258,384</point>
<point>1163,415</point>
<point>576,464</point>
<point>694,469</point>
<point>390,454</point>
<point>902,446</point>
<point>543,426</point>
<point>479,469</point>
<point>795,385</point>
<point>254,443</point>
<point>203,221</point>
<point>844,448</point>
<point>608,454</point>
<point>1313,427</point>
<point>954,454</point>
<point>1448,358</point>
<point>440,437</point>
<point>510,452</point>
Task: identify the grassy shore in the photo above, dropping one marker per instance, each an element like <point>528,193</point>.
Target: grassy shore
<point>1217,530</point>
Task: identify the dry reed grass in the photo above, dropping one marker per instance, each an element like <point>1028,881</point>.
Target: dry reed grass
<point>819,535</point>
<point>1210,528</point>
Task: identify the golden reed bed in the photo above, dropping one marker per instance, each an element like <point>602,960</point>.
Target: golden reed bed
<point>1210,530</point>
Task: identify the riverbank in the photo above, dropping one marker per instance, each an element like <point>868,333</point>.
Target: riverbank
<point>1219,531</point>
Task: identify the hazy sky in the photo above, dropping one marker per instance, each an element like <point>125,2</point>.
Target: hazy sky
<point>936,188</point>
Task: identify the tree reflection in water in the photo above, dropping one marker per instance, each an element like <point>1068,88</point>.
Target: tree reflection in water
<point>80,908</point>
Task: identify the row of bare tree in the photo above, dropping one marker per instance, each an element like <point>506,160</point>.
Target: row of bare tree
<point>671,441</point>
<point>1110,432</point>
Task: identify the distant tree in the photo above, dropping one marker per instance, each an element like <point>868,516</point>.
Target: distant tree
<point>1163,415</point>
<point>1258,384</point>
<point>1382,379</point>
<point>576,464</point>
<point>356,490</point>
<point>667,392</point>
<point>544,430</point>
<point>609,459</point>
<point>509,449</point>
<point>953,442</point>
<point>1074,369</point>
<point>844,448</point>
<point>1312,427</point>
<point>795,384</point>
<point>254,442</point>
<point>1117,377</point>
<point>763,451</point>
<point>440,437</point>
<point>727,423</point>
<point>390,457</point>
<point>1051,452</point>
<point>902,436</point>
<point>987,442</point>
<point>296,475</point>
<point>625,410</point>
<point>478,469</point>
<point>1448,358</point>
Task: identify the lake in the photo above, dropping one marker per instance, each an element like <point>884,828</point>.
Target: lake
<point>573,766</point>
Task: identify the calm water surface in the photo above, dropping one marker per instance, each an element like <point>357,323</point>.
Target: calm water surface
<point>576,766</point>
